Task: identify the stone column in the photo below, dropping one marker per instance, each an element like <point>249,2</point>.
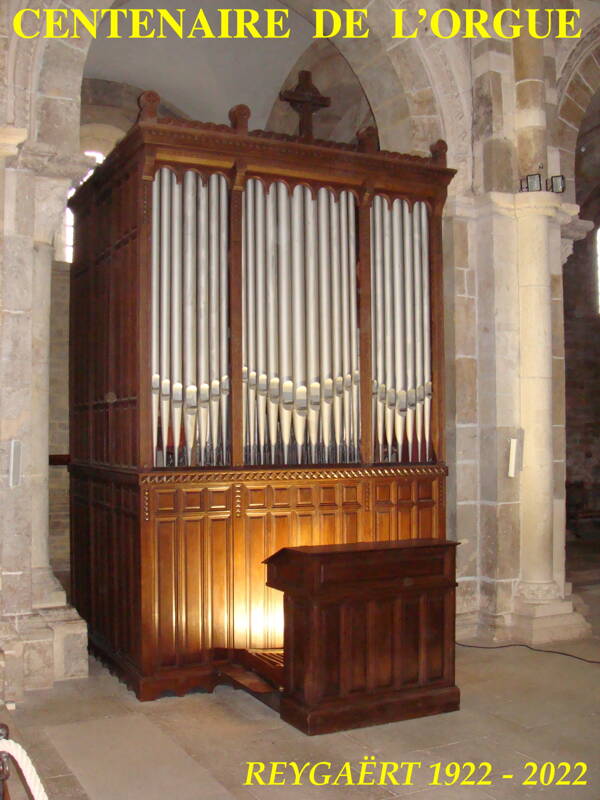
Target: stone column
<point>540,614</point>
<point>41,638</point>
<point>535,211</point>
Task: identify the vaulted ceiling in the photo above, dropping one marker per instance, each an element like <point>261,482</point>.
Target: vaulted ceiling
<point>204,78</point>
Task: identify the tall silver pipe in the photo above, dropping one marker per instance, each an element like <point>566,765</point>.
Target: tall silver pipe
<point>176,314</point>
<point>155,358</point>
<point>409,304</point>
<point>336,326</point>
<point>388,305</point>
<point>272,289</point>
<point>345,198</point>
<point>285,339</point>
<point>298,321</point>
<point>250,318</point>
<point>312,324</point>
<point>214,321</point>
<point>224,313</point>
<point>378,285</point>
<point>427,384</point>
<point>190,399</point>
<point>203,322</point>
<point>399,310</point>
<point>261,318</point>
<point>354,354</point>
<point>418,284</point>
<point>165,306</point>
<point>324,200</point>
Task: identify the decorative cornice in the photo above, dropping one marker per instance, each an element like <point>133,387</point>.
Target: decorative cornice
<point>285,475</point>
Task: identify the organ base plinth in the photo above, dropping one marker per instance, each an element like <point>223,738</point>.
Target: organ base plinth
<point>378,709</point>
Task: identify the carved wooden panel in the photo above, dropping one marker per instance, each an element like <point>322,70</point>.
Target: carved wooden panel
<point>210,539</point>
<point>378,623</point>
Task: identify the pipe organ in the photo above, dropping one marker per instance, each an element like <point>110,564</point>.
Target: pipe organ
<point>256,362</point>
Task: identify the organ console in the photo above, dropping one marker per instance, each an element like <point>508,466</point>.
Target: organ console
<point>256,363</point>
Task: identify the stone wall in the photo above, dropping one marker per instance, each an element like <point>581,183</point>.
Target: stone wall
<point>582,335</point>
<point>59,416</point>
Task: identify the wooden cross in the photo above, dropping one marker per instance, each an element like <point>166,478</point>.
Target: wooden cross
<point>306,100</point>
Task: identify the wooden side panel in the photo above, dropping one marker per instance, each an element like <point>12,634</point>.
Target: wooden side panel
<point>105,560</point>
<point>103,330</point>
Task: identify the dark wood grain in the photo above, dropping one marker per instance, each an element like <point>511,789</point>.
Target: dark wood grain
<point>368,635</point>
<point>167,564</point>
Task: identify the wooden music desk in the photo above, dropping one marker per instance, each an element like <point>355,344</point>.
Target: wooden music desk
<point>369,632</point>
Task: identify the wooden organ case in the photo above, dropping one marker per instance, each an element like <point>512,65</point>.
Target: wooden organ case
<point>256,362</point>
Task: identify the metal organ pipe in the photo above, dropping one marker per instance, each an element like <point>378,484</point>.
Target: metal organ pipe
<point>176,318</point>
<point>300,288</point>
<point>272,280</point>
<point>224,317</point>
<point>285,342</point>
<point>421,209</point>
<point>298,320</point>
<point>399,303</point>
<point>401,330</point>
<point>346,300</point>
<point>312,324</point>
<point>418,285</point>
<point>337,300</point>
<point>190,360</point>
<point>155,282</point>
<point>166,178</point>
<point>323,199</point>
<point>203,324</point>
<point>250,311</point>
<point>353,303</point>
<point>409,328</point>
<point>190,398</point>
<point>261,331</point>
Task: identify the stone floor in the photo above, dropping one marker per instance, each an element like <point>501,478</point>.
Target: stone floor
<point>92,738</point>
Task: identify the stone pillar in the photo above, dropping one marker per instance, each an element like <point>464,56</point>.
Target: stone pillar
<point>499,418</point>
<point>41,638</point>
<point>462,407</point>
<point>540,613</point>
<point>534,213</point>
<point>47,592</point>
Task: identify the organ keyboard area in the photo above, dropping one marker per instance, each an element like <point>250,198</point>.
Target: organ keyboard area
<point>256,362</point>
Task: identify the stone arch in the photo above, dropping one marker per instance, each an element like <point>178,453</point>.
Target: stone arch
<point>398,78</point>
<point>578,83</point>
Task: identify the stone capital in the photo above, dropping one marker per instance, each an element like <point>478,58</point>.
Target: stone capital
<point>577,229</point>
<point>49,164</point>
<point>10,139</point>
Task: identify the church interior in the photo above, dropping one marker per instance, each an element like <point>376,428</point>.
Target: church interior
<point>137,635</point>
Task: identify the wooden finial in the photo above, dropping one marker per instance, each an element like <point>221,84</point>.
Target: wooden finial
<point>438,152</point>
<point>148,103</point>
<point>368,140</point>
<point>239,116</point>
<point>306,100</point>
